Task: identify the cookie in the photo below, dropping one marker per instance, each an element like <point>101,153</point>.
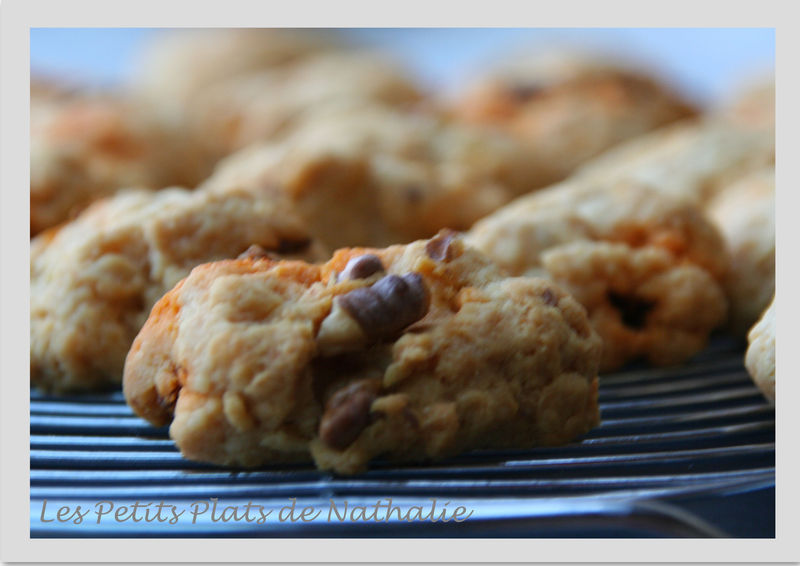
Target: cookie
<point>260,106</point>
<point>372,175</point>
<point>745,215</point>
<point>411,353</point>
<point>760,356</point>
<point>49,90</point>
<point>88,146</point>
<point>570,107</point>
<point>753,105</point>
<point>691,160</point>
<point>649,269</point>
<point>94,280</point>
<point>177,64</point>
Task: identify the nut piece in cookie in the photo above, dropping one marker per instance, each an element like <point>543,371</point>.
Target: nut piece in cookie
<point>648,268</point>
<point>347,413</point>
<point>361,267</point>
<point>421,358</point>
<point>569,107</point>
<point>370,314</point>
<point>745,215</point>
<point>760,356</point>
<point>95,279</point>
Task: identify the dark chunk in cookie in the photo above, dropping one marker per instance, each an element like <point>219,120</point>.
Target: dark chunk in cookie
<point>632,310</point>
<point>389,305</point>
<point>347,413</point>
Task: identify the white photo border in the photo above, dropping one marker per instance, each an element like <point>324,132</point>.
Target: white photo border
<point>16,19</point>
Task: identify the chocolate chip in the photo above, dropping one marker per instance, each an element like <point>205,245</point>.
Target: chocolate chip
<point>389,305</point>
<point>361,267</point>
<point>347,413</point>
<point>440,246</point>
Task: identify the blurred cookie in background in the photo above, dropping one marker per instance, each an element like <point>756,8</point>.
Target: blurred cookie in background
<point>260,106</point>
<point>176,64</point>
<point>648,268</point>
<point>760,357</point>
<point>89,144</point>
<point>692,160</point>
<point>570,106</point>
<point>372,175</point>
<point>745,214</point>
<point>753,103</point>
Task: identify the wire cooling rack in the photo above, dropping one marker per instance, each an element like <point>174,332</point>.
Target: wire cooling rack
<point>681,452</point>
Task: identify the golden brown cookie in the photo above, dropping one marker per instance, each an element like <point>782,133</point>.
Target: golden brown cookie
<point>648,268</point>
<point>177,64</point>
<point>411,353</point>
<point>753,105</point>
<point>88,146</point>
<point>94,280</point>
<point>760,357</point>
<point>570,107</point>
<point>745,215</point>
<point>260,106</point>
<point>692,160</point>
<point>374,175</point>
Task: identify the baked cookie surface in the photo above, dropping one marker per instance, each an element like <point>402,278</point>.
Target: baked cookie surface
<point>753,105</point>
<point>692,160</point>
<point>648,268</point>
<point>368,174</point>
<point>745,215</point>
<point>760,356</point>
<point>179,63</point>
<point>570,107</point>
<point>411,352</point>
<point>94,280</point>
<point>88,146</point>
<point>265,105</point>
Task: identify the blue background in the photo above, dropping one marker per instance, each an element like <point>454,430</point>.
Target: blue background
<point>704,62</point>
